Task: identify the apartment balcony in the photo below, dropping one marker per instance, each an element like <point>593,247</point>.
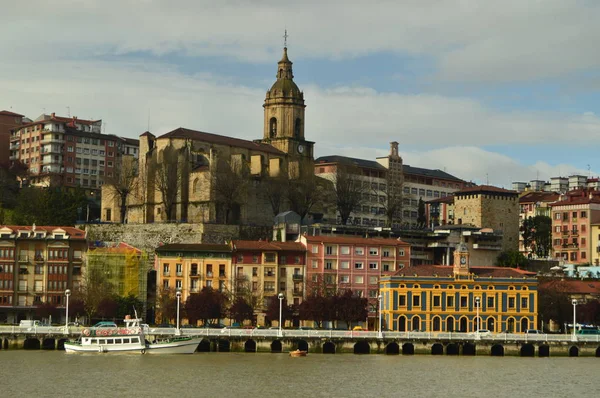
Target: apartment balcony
<point>298,277</point>
<point>209,274</point>
<point>565,232</point>
<point>194,274</point>
<point>298,292</point>
<point>24,258</point>
<point>487,246</point>
<point>178,273</point>
<point>39,258</point>
<point>222,275</point>
<point>13,157</point>
<point>166,273</point>
<point>270,274</point>
<point>15,145</point>
<point>575,233</point>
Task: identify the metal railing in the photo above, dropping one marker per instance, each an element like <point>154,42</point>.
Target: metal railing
<point>331,334</point>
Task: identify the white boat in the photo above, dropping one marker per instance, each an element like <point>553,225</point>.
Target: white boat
<point>129,339</point>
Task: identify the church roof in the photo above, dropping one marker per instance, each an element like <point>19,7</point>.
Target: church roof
<point>287,86</point>
<point>353,161</point>
<point>220,139</point>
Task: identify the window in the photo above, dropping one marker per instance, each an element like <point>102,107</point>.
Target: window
<point>328,265</point>
<point>315,264</point>
<point>315,248</point>
<point>373,280</point>
<point>254,271</point>
<point>402,300</point>
<point>359,279</point>
<point>464,301</point>
<point>345,250</point>
<point>358,265</point>
<point>166,269</point>
<point>373,251</point>
<point>511,302</point>
<point>178,284</point>
<point>359,251</point>
<point>344,278</point>
<point>386,267</point>
<point>524,303</point>
<point>179,269</point>
<point>490,302</point>
<point>401,252</point>
<point>437,300</point>
<point>373,266</point>
<point>386,252</point>
<point>269,257</point>
<point>345,265</point>
<point>329,250</point>
<point>416,301</point>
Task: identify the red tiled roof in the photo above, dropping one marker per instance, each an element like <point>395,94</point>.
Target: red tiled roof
<point>485,189</point>
<point>265,245</point>
<point>120,248</point>
<point>71,231</point>
<point>9,113</point>
<point>533,197</point>
<point>482,272</point>
<point>355,240</point>
<point>67,120</point>
<point>446,199</point>
<point>220,139</point>
<point>183,247</point>
<point>576,200</point>
<point>572,286</point>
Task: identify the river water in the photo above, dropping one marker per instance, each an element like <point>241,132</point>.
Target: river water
<point>54,373</point>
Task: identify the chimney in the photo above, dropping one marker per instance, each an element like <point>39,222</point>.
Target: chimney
<point>52,115</point>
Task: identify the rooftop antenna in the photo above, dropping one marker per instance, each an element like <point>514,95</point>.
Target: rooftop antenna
<point>285,36</point>
<point>487,179</point>
<point>589,171</point>
<point>148,120</point>
<point>68,111</point>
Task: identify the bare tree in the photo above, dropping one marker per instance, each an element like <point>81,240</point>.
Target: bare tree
<point>94,289</point>
<point>124,183</point>
<point>275,190</point>
<point>304,189</point>
<point>348,190</point>
<point>171,169</point>
<point>230,186</point>
<point>392,202</point>
<point>244,291</point>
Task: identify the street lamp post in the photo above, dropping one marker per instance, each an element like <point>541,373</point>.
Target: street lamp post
<point>178,294</point>
<point>67,294</point>
<point>574,302</point>
<point>280,297</point>
<point>379,298</point>
<point>477,300</point>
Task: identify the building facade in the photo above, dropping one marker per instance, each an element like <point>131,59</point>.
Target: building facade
<point>572,219</point>
<point>37,265</point>
<point>460,298</point>
<point>490,207</point>
<point>8,121</point>
<point>354,263</point>
<point>265,269</point>
<point>533,204</point>
<point>69,152</point>
<point>191,267</point>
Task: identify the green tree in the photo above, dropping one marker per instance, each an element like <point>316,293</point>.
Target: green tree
<point>49,206</point>
<point>511,258</point>
<point>554,303</point>
<point>537,235</point>
<point>272,311</point>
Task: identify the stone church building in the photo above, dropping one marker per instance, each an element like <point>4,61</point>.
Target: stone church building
<point>197,177</point>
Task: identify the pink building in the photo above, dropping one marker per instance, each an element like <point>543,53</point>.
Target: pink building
<point>354,263</point>
<point>572,218</point>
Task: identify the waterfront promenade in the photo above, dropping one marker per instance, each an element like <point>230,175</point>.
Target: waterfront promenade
<point>336,341</point>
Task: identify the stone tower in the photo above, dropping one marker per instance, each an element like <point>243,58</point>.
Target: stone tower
<point>284,114</point>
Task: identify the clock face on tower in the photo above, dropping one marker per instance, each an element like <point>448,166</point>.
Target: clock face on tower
<point>300,148</point>
<point>463,261</point>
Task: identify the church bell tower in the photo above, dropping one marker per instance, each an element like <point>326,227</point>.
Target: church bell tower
<point>284,113</point>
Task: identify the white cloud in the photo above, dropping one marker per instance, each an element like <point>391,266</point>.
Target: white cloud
<point>511,40</point>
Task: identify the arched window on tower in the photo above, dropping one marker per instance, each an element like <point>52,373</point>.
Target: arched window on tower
<point>273,127</point>
<point>297,127</point>
<point>280,73</point>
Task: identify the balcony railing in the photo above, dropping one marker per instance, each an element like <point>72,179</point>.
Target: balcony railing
<point>298,292</point>
<point>269,273</point>
<point>166,273</point>
<point>194,274</point>
<point>179,273</point>
<point>298,277</point>
<point>209,274</point>
<point>23,258</point>
<point>222,275</point>
<point>39,257</point>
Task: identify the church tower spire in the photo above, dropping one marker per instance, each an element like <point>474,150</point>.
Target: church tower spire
<point>284,112</point>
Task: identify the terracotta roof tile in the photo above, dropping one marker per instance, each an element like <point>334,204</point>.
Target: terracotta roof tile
<point>534,197</point>
<point>220,139</point>
<point>191,247</point>
<point>485,189</point>
<point>355,240</point>
<point>572,286</point>
<point>9,113</point>
<point>71,231</point>
<point>482,272</point>
<point>265,245</point>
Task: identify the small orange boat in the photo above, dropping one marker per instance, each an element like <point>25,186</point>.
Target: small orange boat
<point>298,353</point>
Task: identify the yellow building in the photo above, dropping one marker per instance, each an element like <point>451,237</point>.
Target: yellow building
<point>191,267</point>
<point>461,298</point>
<point>125,268</point>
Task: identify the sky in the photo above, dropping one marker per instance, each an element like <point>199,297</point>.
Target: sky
<point>489,91</point>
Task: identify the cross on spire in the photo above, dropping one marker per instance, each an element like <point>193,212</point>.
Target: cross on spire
<point>285,36</point>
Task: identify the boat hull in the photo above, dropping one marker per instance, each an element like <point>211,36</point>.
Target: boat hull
<point>97,348</point>
<point>174,347</point>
